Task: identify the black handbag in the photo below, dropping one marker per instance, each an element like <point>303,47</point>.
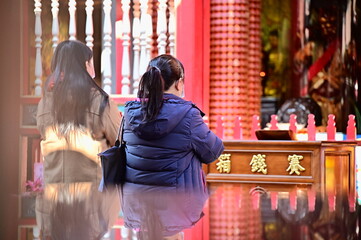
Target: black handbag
<point>113,161</point>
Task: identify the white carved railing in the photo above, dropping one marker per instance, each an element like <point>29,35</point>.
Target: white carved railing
<point>162,26</point>
<point>126,44</point>
<point>38,32</point>
<point>55,26</point>
<point>149,40</point>
<point>89,23</point>
<point>136,37</point>
<point>143,36</point>
<point>107,44</point>
<point>72,23</point>
<point>171,28</point>
<point>136,45</point>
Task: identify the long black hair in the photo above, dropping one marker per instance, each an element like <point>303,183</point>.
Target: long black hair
<point>72,86</point>
<point>161,73</point>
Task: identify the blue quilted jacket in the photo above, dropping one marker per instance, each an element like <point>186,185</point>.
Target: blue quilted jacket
<point>168,151</point>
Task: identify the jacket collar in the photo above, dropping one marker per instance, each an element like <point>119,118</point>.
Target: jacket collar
<point>171,96</point>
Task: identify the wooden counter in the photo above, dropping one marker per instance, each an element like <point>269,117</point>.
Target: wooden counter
<point>323,165</point>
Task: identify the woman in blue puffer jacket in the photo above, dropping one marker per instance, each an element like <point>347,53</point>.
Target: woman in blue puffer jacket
<point>166,143</point>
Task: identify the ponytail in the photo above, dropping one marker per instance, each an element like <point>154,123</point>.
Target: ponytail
<point>151,88</point>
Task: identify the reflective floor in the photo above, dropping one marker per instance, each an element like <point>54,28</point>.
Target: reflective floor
<point>247,212</point>
<point>244,211</point>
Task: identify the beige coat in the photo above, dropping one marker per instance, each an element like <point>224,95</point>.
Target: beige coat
<point>75,159</point>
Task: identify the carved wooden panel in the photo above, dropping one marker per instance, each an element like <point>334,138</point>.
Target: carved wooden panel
<point>269,162</point>
<point>323,165</point>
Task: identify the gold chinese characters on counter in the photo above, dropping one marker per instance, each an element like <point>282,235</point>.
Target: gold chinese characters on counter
<point>224,163</point>
<point>295,165</point>
<point>258,164</point>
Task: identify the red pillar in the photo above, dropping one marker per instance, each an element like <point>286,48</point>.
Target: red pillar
<point>192,49</point>
<point>193,39</point>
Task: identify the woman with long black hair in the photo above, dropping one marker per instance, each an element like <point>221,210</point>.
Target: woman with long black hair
<point>76,121</point>
<point>166,143</point>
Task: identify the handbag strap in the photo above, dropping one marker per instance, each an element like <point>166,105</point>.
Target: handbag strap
<point>120,133</point>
